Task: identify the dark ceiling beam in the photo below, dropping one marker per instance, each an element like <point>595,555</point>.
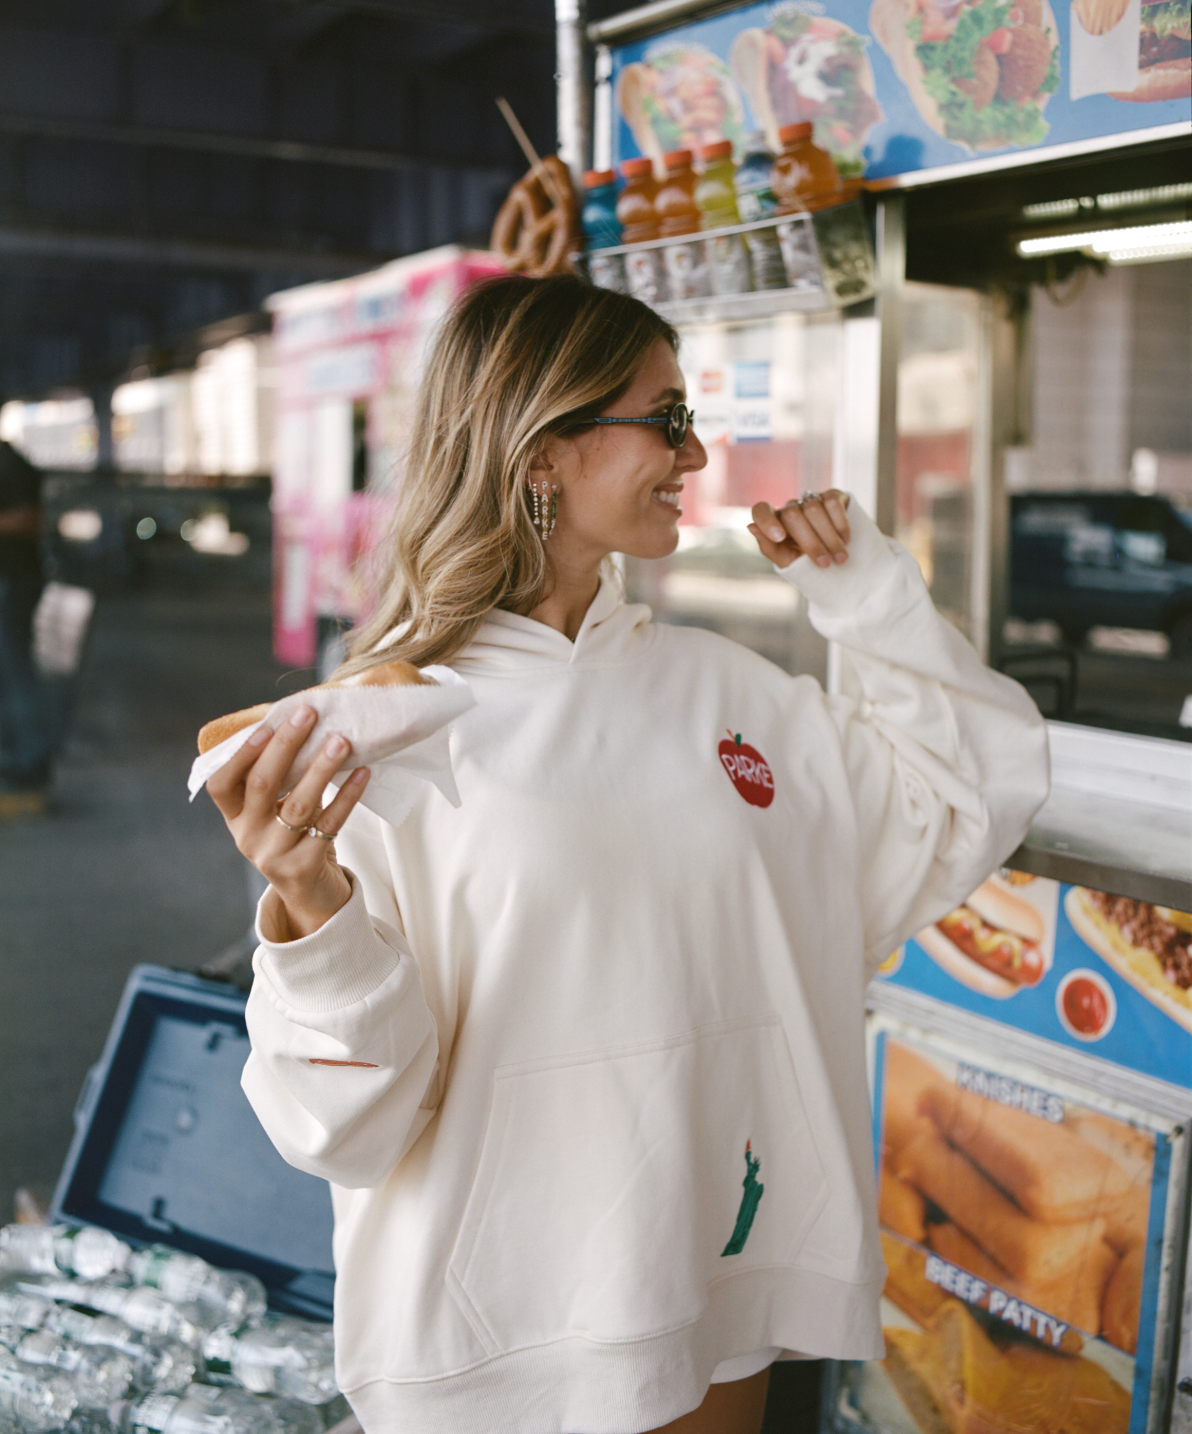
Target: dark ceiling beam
<point>292,151</point>
<point>177,253</point>
<point>535,21</point>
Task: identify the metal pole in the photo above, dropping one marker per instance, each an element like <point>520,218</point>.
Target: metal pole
<point>574,86</point>
<point>891,269</point>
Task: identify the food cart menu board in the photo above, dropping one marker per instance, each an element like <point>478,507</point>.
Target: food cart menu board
<point>1030,1231</point>
<point>1104,974</point>
<point>895,87</point>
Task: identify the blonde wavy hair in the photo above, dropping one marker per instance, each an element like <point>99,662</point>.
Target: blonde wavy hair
<point>516,359</point>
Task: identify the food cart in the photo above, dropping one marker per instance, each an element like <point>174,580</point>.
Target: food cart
<point>1031,1055</point>
<point>348,357</point>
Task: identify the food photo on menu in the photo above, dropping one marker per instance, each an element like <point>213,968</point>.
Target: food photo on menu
<point>1015,1231</point>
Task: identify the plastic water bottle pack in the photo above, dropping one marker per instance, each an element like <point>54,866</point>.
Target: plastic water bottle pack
<point>98,1338</point>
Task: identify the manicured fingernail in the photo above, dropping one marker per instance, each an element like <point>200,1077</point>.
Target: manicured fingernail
<point>260,736</point>
<point>303,717</point>
<point>336,747</point>
<point>777,533</point>
<point>824,562</point>
<point>842,557</point>
<point>359,777</point>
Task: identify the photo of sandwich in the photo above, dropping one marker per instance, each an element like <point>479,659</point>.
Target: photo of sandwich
<point>1148,946</point>
<point>680,96</point>
<point>1050,1209</point>
<point>980,72</point>
<point>809,67</point>
<point>1001,940</point>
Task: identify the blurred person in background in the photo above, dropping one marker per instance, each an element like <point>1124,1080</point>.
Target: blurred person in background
<point>24,736</point>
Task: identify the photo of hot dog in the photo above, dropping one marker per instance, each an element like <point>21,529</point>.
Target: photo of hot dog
<point>387,674</point>
<point>996,943</point>
<point>1148,946</point>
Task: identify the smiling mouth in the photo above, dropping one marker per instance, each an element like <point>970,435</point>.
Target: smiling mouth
<point>669,496</point>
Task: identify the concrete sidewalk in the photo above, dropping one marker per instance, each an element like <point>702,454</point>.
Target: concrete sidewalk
<point>122,869</point>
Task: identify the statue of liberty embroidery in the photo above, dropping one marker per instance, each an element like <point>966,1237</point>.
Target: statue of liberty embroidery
<point>749,1203</point>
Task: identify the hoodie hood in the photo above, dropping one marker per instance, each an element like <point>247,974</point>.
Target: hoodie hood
<point>612,631</point>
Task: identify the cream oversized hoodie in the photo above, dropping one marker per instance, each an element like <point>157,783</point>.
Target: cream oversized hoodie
<point>583,1059</point>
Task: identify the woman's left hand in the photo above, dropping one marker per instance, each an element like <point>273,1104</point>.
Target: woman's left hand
<point>814,526</point>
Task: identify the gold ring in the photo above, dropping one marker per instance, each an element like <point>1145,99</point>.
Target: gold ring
<point>277,816</point>
<point>322,836</point>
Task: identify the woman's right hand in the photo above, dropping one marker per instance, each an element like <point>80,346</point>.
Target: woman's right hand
<point>275,833</point>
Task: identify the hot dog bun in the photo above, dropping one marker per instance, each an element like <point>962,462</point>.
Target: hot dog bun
<point>1141,968</point>
<point>998,905</point>
<point>387,674</point>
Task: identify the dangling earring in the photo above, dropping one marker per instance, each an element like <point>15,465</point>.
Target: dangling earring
<point>546,508</point>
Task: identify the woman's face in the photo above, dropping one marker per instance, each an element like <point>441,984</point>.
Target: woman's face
<point>620,485</point>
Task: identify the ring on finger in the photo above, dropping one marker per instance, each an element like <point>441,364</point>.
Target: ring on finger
<point>278,817</point>
<point>322,836</point>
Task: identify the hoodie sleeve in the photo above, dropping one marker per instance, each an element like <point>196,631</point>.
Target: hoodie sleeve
<point>946,759</point>
<point>344,1061</point>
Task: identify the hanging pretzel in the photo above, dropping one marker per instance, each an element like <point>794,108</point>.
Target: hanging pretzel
<point>537,227</point>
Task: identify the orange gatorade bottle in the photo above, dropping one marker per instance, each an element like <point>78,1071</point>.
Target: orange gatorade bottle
<point>675,203</point>
<point>635,204</point>
<point>804,176</point>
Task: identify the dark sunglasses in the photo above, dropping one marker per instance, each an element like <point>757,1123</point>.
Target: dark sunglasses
<point>676,422</point>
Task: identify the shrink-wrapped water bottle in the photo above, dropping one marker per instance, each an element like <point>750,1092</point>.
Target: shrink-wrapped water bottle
<point>235,1296</point>
<point>33,1399</point>
<point>87,1251</point>
<point>21,1310</point>
<point>282,1355</point>
<point>290,1416</point>
<point>173,1414</point>
<point>143,1308</point>
<point>97,1374</point>
<point>158,1364</point>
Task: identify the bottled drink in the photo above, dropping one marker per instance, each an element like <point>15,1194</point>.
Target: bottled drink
<point>601,227</point>
<point>755,201</point>
<point>282,1355</point>
<point>159,1364</point>
<point>173,1414</point>
<point>290,1416</point>
<point>635,206</point>
<point>97,1374</point>
<point>22,1310</point>
<point>804,176</point>
<point>234,1296</point>
<point>88,1252</point>
<point>32,1400</point>
<point>143,1308</point>
<point>716,196</point>
<point>675,203</point>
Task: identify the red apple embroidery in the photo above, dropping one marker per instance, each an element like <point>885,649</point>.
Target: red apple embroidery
<point>748,771</point>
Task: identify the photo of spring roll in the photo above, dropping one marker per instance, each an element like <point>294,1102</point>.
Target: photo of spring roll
<point>1046,1200</point>
<point>1049,1171</point>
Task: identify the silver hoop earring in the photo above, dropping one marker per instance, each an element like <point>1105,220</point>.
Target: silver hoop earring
<point>546,508</point>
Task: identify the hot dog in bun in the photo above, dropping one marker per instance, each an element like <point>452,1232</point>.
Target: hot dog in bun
<point>388,674</point>
<point>1149,946</point>
<point>993,943</point>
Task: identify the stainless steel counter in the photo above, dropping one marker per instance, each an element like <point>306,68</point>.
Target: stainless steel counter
<point>1119,818</point>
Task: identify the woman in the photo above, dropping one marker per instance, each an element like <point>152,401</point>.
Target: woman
<point>583,1058</point>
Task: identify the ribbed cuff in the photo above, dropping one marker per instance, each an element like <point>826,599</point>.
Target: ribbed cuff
<point>341,963</point>
<point>844,586</point>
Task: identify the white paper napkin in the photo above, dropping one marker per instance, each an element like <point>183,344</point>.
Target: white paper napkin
<point>1101,64</point>
<point>400,732</point>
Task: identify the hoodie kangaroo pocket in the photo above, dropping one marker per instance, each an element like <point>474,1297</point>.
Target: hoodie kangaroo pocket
<point>613,1190</point>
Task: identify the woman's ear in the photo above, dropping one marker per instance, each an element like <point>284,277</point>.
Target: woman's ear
<point>550,455</point>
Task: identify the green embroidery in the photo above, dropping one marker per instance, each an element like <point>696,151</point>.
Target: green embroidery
<point>749,1203</point>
